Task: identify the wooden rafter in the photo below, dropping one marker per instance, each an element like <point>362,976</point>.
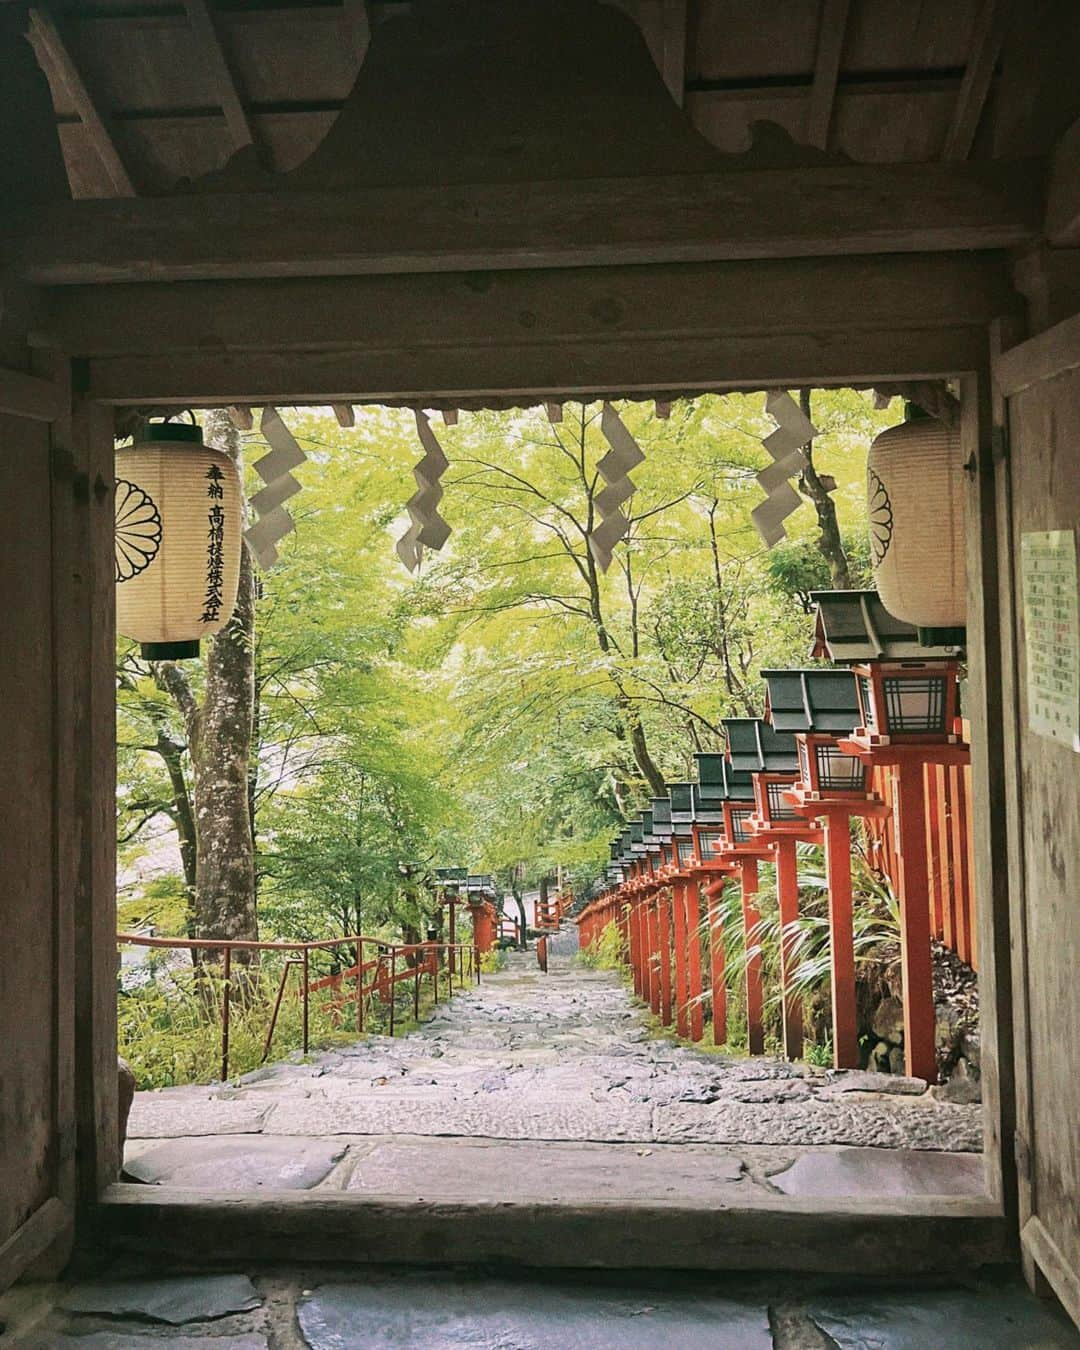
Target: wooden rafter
<point>830,48</point>
<point>56,61</point>
<point>212,53</point>
<point>345,415</point>
<point>978,76</point>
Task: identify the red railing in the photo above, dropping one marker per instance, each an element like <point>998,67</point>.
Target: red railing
<point>420,959</point>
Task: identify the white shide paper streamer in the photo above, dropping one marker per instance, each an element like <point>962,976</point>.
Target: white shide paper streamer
<point>427,528</point>
<point>785,445</point>
<point>625,454</point>
<point>272,521</point>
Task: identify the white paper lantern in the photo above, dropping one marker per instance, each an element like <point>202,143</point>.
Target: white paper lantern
<point>915,501</point>
<point>179,520</point>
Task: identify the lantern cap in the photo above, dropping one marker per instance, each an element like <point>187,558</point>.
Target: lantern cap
<point>169,651</point>
<point>170,431</point>
<point>853,627</point>
<point>755,746</point>
<point>821,702</point>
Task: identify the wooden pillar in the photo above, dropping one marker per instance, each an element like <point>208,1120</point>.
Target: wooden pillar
<point>962,836</point>
<point>633,915</point>
<point>716,963</point>
<point>838,878</point>
<point>653,964</point>
<point>755,1003</point>
<point>663,904</point>
<point>935,853</point>
<point>693,960</point>
<point>920,1059</point>
<point>678,907</point>
<point>787,892</point>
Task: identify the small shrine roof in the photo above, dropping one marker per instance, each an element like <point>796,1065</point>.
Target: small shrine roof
<point>854,626</point>
<point>755,746</point>
<point>825,702</point>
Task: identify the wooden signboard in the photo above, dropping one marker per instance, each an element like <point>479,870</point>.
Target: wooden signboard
<point>1052,633</point>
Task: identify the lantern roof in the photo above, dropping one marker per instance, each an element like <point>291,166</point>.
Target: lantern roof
<point>681,799</point>
<point>443,875</point>
<point>851,627</point>
<point>708,804</point>
<point>722,780</point>
<point>823,702</point>
<point>755,746</point>
<point>662,822</point>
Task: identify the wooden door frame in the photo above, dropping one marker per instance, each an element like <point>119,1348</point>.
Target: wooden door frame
<point>1016,367</point>
<point>269,382</point>
<point>80,529</point>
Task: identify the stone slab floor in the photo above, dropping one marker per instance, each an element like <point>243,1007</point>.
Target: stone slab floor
<point>547,1087</point>
<point>444,1310</point>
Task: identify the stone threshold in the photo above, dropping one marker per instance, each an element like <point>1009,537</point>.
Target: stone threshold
<point>905,1235</point>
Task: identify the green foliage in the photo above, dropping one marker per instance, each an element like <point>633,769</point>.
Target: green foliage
<point>605,952</point>
<point>500,708</point>
<point>161,905</point>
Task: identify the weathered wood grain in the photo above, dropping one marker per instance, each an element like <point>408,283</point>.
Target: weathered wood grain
<point>698,217</point>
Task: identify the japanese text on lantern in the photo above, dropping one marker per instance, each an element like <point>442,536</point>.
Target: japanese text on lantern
<point>215,545</point>
<point>1052,633</point>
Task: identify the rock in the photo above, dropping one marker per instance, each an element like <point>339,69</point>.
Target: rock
<point>196,1298</point>
<point>125,1095</point>
<point>857,1080</point>
<point>887,1022</point>
<point>879,1057</point>
<point>962,1088</point>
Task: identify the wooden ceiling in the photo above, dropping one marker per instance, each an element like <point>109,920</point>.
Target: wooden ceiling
<point>149,92</point>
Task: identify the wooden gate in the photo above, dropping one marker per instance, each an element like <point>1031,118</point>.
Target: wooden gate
<point>58,1078</point>
<point>1037,387</point>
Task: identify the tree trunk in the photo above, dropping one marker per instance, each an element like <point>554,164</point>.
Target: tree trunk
<point>225,882</point>
<point>183,818</point>
<point>523,926</point>
<point>829,540</point>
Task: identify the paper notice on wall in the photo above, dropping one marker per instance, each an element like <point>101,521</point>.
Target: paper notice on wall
<point>1052,633</point>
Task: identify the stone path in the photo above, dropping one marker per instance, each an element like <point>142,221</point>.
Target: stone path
<point>565,1060</point>
<point>284,1309</point>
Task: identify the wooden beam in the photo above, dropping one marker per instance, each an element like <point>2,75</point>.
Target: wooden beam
<point>1055,352</point>
<point>30,396</point>
<point>549,308</point>
<point>213,56</point>
<point>31,1239</point>
<point>1063,191</point>
<point>345,415</point>
<point>842,209</point>
<point>56,62</point>
<point>830,48</point>
<point>534,372</point>
<point>978,76</point>
<point>674,60</point>
<point>909,1234</point>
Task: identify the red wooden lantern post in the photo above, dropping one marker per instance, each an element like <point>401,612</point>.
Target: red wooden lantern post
<point>909,712</point>
<point>733,789</point>
<point>772,759</point>
<point>909,726</point>
<point>663,831</point>
<point>709,872</point>
<point>819,706</point>
<point>681,805</point>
